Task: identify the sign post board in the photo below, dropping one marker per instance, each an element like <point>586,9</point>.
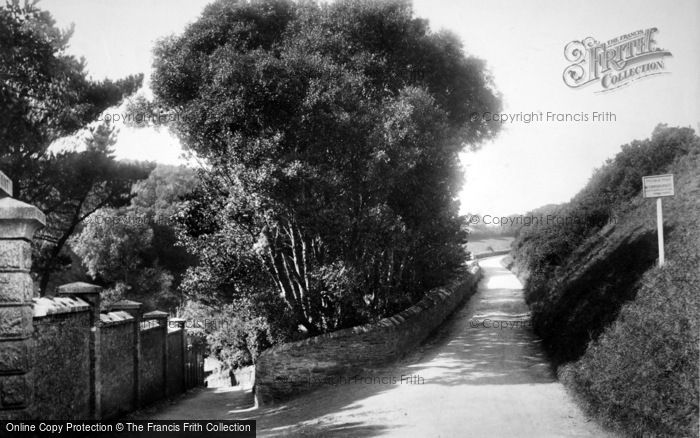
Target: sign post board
<point>5,186</point>
<point>659,186</point>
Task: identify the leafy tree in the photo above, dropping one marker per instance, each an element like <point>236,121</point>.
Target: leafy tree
<point>113,245</point>
<point>77,184</point>
<point>159,199</point>
<point>133,249</point>
<point>331,135</point>
<point>45,95</point>
<point>116,249</point>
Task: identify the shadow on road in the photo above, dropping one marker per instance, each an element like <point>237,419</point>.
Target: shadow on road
<point>482,358</point>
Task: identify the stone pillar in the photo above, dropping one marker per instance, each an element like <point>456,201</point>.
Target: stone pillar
<point>91,294</point>
<point>133,308</point>
<point>180,323</point>
<point>18,223</point>
<point>162,320</point>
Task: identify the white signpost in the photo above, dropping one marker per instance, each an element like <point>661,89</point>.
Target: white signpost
<point>658,186</point>
<point>5,186</point>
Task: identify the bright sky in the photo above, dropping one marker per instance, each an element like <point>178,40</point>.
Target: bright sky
<point>527,165</point>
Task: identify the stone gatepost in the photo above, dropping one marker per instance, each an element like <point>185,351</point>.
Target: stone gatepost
<point>180,323</point>
<point>91,294</point>
<point>161,319</point>
<point>133,308</point>
<point>18,223</point>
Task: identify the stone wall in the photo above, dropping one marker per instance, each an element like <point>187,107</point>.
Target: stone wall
<point>117,344</point>
<point>152,373</point>
<point>176,382</point>
<point>483,255</point>
<point>61,358</point>
<point>91,364</point>
<point>292,368</point>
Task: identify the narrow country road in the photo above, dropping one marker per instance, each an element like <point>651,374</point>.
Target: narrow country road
<point>482,375</point>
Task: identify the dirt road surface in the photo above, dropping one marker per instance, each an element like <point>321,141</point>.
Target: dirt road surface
<point>483,374</point>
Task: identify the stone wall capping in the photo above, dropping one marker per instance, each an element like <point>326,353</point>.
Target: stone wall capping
<point>78,288</point>
<point>156,314</point>
<point>148,324</point>
<point>176,324</point>
<point>126,305</point>
<point>55,305</point>
<point>114,318</point>
<point>19,220</point>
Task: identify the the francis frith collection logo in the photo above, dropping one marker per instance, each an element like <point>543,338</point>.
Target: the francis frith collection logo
<point>616,62</point>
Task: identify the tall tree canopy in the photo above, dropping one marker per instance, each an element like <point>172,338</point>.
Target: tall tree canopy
<point>76,184</point>
<point>134,248</point>
<point>331,134</point>
<point>45,95</point>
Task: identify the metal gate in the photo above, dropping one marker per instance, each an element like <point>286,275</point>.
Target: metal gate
<point>194,362</point>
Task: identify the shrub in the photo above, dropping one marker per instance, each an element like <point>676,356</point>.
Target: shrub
<point>641,374</point>
<point>624,332</point>
<point>237,333</point>
<point>573,303</point>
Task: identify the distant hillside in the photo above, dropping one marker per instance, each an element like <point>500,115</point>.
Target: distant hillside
<point>626,329</point>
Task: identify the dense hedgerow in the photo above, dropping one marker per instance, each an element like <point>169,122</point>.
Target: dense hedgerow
<point>626,329</point>
<point>641,374</point>
<point>572,295</point>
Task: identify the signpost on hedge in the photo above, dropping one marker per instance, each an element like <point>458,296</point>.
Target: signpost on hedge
<point>659,186</point>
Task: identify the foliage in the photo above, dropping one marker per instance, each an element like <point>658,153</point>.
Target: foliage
<point>133,248</point>
<point>624,331</point>
<point>45,95</point>
<point>331,135</point>
<point>237,333</point>
<point>159,199</point>
<point>76,185</point>
<point>113,246</point>
<point>543,247</point>
<point>245,328</point>
<point>112,295</point>
<point>641,374</point>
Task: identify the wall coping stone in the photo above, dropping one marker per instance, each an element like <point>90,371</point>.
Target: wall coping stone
<point>19,220</point>
<point>45,306</point>
<point>115,318</point>
<point>176,324</point>
<point>483,255</point>
<point>125,304</point>
<point>156,314</point>
<point>429,300</point>
<point>78,288</point>
<point>148,324</point>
